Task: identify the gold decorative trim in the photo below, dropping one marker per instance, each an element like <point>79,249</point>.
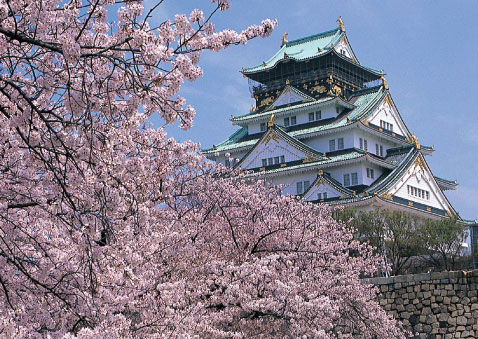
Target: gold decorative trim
<point>410,203</point>
<point>387,196</point>
<point>341,24</point>
<point>271,121</point>
<point>320,173</point>
<point>284,39</point>
<point>319,89</point>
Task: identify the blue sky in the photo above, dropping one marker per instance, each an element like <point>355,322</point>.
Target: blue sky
<point>429,50</point>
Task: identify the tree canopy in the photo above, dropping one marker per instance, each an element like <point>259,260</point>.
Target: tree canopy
<point>108,228</point>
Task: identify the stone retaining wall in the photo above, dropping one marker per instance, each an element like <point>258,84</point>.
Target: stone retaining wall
<point>433,305</point>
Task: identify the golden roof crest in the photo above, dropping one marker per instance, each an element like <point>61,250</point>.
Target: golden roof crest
<point>284,39</point>
<point>271,121</point>
<point>341,24</point>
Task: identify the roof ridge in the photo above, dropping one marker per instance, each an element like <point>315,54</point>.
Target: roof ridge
<point>311,37</point>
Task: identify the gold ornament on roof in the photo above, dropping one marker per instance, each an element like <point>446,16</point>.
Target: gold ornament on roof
<point>341,24</point>
<point>287,82</point>
<point>384,82</point>
<point>320,173</point>
<point>284,39</point>
<point>414,140</point>
<point>319,89</point>
<point>271,122</point>
<point>252,109</point>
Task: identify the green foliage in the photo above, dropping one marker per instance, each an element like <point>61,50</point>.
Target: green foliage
<point>444,240</point>
<point>399,237</point>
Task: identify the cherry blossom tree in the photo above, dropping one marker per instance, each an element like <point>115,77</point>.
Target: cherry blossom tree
<point>108,228</point>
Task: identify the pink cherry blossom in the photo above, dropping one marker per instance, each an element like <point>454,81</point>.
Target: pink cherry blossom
<point>111,229</point>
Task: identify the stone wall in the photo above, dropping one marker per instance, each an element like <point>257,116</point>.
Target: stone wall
<point>433,305</point>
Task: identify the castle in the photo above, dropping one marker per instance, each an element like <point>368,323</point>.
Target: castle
<point>326,128</point>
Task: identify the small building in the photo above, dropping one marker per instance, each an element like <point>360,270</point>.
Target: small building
<point>326,127</point>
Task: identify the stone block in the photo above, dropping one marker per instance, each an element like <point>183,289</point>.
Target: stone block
<point>446,300</point>
<point>431,318</point>
<point>461,320</point>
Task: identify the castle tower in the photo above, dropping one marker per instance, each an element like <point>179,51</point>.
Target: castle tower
<point>327,128</point>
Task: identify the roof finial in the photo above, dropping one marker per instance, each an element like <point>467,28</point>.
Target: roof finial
<point>252,109</point>
<point>271,122</point>
<point>284,39</point>
<point>414,141</point>
<point>384,82</point>
<point>320,173</point>
<point>341,24</point>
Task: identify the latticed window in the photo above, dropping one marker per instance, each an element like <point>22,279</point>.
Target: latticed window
<point>354,179</point>
<point>340,143</point>
<point>299,188</point>
<point>346,179</point>
<point>331,145</point>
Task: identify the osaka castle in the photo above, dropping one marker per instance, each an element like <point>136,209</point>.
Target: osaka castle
<point>326,128</point>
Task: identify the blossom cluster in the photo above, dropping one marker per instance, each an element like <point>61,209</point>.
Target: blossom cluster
<point>109,228</point>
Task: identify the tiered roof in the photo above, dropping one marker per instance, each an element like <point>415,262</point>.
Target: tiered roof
<point>360,105</point>
<point>307,48</point>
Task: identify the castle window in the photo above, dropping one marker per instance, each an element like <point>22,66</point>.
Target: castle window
<point>318,115</point>
<point>299,188</point>
<point>325,195</point>
<point>269,161</point>
<point>276,160</point>
<point>354,179</point>
<point>263,126</point>
<point>337,110</point>
<point>346,179</point>
<point>319,196</point>
<point>293,120</point>
<point>311,116</point>
<point>391,127</point>
<point>332,145</point>
<point>282,159</point>
<point>376,149</point>
<point>306,185</point>
<point>381,150</point>
<point>371,174</point>
<point>361,143</point>
<point>428,195</point>
<point>365,144</point>
<point>340,143</point>
<point>264,162</point>
<point>286,122</point>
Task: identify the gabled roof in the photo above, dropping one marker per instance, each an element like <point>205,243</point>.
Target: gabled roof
<point>296,108</point>
<point>385,184</point>
<point>310,47</point>
<point>361,104</point>
<point>277,132</point>
<point>289,90</point>
<point>302,49</point>
<point>326,179</point>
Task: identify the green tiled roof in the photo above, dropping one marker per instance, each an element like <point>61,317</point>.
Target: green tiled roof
<point>364,101</point>
<point>282,109</point>
<point>349,155</point>
<point>302,49</point>
<point>306,48</point>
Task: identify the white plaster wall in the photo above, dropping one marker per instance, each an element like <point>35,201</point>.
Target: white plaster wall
<point>377,173</point>
<point>313,193</point>
<point>419,180</point>
<point>338,172</point>
<point>290,181</point>
<point>389,114</point>
<point>328,111</point>
<point>372,140</point>
<point>321,143</point>
<point>271,149</point>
